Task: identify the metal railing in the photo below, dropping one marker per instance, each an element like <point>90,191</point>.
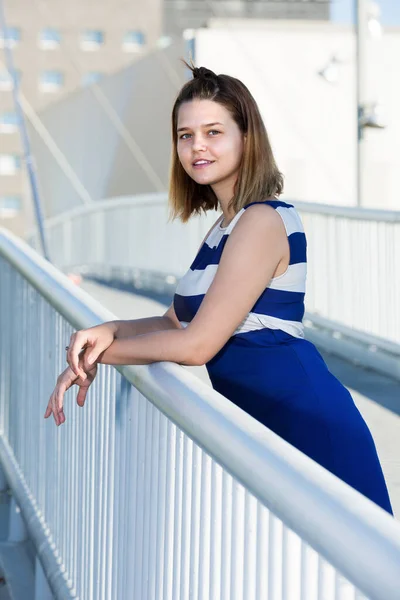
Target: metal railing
<point>353,261</point>
<point>160,488</point>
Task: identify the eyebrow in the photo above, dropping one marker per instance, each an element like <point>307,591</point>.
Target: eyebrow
<point>206,125</point>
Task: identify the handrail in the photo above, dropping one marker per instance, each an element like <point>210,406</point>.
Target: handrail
<point>348,212</point>
<point>350,531</point>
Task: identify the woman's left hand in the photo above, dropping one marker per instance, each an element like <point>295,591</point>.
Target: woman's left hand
<point>64,382</point>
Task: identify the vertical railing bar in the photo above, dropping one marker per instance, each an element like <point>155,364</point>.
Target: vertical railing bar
<point>226,536</point>
<point>216,530</point>
<point>177,552</point>
<point>154,471</point>
<point>137,507</point>
<point>169,512</point>
<point>195,523</point>
<point>205,527</point>
<point>186,516</point>
<point>161,508</point>
<point>147,500</point>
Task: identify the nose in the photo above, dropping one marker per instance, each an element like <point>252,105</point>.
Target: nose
<point>198,143</point>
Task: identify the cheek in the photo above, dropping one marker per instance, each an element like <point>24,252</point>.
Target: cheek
<point>235,152</point>
<point>182,153</point>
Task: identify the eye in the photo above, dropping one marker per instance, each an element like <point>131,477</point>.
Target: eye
<point>214,131</point>
<point>182,137</point>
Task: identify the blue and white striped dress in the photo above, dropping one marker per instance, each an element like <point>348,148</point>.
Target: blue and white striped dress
<point>269,370</point>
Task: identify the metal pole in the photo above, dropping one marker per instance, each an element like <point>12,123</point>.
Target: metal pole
<point>361,26</point>
<point>24,134</point>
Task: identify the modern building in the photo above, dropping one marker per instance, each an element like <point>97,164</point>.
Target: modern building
<point>58,47</point>
<point>302,75</point>
<point>192,14</point>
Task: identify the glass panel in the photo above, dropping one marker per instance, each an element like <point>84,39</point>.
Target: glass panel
<point>133,41</point>
<point>6,81</point>
<point>51,81</point>
<point>92,39</point>
<point>10,206</point>
<point>49,39</point>
<point>91,77</point>
<point>8,122</point>
<point>12,34</point>
<point>9,164</point>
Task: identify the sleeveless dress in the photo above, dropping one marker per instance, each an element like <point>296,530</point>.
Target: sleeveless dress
<point>269,370</point>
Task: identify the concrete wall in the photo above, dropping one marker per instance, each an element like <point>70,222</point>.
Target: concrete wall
<point>312,123</point>
<point>180,15</point>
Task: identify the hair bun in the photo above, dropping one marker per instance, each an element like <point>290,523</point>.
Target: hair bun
<point>203,73</point>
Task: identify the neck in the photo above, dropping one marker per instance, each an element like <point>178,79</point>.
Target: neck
<point>224,195</point>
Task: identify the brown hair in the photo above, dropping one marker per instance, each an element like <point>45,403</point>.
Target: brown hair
<point>259,177</point>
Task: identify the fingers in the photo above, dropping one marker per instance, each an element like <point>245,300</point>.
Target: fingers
<point>64,382</point>
<point>81,397</point>
<point>55,405</point>
<point>78,341</point>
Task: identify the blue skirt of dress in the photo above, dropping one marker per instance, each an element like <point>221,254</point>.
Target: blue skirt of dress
<point>284,382</point>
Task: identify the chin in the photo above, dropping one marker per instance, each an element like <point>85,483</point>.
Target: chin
<point>202,180</point>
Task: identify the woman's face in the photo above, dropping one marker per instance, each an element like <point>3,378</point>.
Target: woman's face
<point>209,143</point>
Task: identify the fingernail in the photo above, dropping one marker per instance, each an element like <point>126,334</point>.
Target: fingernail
<point>90,360</point>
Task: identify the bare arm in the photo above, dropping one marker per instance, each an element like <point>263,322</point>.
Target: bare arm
<point>132,328</point>
<point>251,256</point>
<point>109,334</point>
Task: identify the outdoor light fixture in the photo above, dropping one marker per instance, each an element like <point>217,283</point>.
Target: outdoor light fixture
<point>331,71</point>
<point>372,115</point>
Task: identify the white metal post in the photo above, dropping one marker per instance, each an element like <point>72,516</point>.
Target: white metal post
<point>42,589</point>
<point>361,40</point>
<point>17,530</point>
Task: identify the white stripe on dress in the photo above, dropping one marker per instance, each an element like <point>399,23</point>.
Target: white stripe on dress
<point>197,282</point>
<point>254,322</point>
<point>292,280</point>
<point>291,220</point>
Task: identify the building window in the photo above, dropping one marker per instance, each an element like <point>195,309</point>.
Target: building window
<point>51,81</point>
<point>10,206</point>
<point>49,39</point>
<point>133,41</point>
<point>164,41</point>
<point>8,122</point>
<point>91,77</point>
<point>10,164</point>
<point>12,34</point>
<point>6,81</point>
<point>92,40</point>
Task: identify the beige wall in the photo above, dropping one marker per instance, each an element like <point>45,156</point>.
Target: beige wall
<point>114,17</point>
<point>312,123</point>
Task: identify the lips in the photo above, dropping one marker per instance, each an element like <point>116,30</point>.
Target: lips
<point>202,163</point>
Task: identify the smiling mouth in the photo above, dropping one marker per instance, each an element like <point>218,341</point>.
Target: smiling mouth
<point>202,163</point>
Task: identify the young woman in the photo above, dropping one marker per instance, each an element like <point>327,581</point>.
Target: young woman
<point>239,308</point>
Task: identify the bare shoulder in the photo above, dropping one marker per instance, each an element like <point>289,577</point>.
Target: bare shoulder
<point>260,217</point>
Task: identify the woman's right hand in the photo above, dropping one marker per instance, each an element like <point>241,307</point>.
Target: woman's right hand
<point>65,380</point>
<point>99,338</point>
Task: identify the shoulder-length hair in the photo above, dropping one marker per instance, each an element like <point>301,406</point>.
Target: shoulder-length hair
<point>258,178</point>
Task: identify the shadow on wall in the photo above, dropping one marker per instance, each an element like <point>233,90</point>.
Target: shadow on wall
<point>106,163</point>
